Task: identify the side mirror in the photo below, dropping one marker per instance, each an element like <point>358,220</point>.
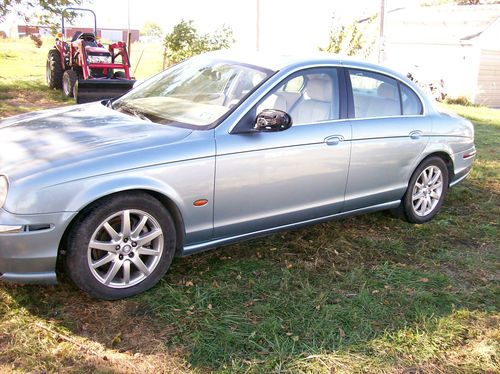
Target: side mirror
<point>273,120</point>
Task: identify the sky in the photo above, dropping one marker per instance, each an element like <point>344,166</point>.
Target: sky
<point>285,25</point>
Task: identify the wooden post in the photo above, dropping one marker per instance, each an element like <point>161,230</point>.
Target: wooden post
<point>257,26</point>
<point>381,42</point>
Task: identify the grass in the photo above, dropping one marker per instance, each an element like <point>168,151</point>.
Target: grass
<point>365,294</point>
<point>22,74</point>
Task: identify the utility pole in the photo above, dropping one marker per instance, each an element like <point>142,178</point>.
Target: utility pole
<point>257,25</point>
<point>129,34</point>
<point>381,42</point>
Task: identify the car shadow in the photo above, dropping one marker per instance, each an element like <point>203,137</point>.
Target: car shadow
<point>272,301</point>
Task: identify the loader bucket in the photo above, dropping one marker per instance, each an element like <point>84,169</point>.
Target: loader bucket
<point>90,90</point>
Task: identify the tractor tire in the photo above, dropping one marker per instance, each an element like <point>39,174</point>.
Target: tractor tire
<point>54,69</point>
<point>70,77</point>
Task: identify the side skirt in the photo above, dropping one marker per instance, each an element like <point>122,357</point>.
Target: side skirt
<point>200,247</point>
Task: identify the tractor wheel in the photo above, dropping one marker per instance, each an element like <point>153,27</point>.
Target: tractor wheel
<point>68,82</point>
<point>54,69</point>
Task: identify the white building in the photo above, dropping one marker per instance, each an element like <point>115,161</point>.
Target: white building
<point>459,44</point>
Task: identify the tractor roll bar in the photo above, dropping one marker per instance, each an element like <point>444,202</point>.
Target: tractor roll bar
<point>81,10</point>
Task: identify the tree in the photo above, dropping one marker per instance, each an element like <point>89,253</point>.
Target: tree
<point>41,11</point>
<point>151,29</point>
<point>184,41</point>
<point>351,39</point>
<point>345,40</point>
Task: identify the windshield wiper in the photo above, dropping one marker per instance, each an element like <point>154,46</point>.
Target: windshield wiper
<point>134,112</point>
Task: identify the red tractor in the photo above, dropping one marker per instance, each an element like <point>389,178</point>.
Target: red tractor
<point>86,69</point>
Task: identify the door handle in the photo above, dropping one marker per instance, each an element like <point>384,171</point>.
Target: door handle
<point>334,139</point>
<point>416,134</point>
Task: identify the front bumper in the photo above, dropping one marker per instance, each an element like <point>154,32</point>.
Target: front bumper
<point>29,245</point>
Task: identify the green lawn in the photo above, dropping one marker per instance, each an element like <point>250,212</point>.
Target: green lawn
<point>22,74</point>
<point>365,294</point>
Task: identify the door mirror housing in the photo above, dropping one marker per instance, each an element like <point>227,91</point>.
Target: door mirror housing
<point>272,120</point>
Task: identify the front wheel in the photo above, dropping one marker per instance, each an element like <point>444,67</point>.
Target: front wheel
<point>122,246</point>
<point>69,79</point>
<point>426,191</point>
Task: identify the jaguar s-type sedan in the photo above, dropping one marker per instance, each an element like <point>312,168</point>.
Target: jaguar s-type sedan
<point>212,151</point>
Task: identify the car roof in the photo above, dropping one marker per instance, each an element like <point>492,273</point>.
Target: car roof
<point>276,62</point>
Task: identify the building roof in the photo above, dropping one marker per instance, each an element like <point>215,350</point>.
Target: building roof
<point>447,24</point>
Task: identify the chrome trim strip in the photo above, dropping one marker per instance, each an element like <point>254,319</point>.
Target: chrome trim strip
<point>11,229</point>
<point>32,278</point>
<point>338,64</point>
<point>194,248</point>
<point>422,101</point>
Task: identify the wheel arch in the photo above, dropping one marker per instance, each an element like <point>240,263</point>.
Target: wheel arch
<point>165,200</point>
<point>445,156</point>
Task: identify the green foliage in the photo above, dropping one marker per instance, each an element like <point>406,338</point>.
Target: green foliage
<point>41,12</point>
<point>348,40</point>
<point>152,29</point>
<point>184,41</point>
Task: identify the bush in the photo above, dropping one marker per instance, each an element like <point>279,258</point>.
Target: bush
<point>184,42</point>
<point>460,100</point>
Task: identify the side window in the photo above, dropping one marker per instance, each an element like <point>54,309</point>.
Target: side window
<point>309,96</point>
<point>375,95</point>
<point>294,85</point>
<point>410,100</point>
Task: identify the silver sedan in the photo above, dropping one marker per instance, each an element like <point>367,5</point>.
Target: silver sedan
<point>215,150</point>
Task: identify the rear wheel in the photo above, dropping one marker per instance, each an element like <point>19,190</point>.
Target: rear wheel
<point>54,69</point>
<point>68,83</point>
<point>426,191</point>
<point>122,247</point>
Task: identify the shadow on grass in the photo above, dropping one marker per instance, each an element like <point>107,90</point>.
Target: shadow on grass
<point>373,290</point>
<point>336,287</point>
<point>20,96</point>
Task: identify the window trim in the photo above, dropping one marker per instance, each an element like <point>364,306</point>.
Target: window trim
<point>343,99</point>
<point>350,95</point>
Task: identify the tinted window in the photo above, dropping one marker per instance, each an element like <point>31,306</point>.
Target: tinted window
<point>309,96</point>
<point>374,95</point>
<point>411,102</point>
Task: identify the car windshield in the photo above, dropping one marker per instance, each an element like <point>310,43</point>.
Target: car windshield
<point>195,93</point>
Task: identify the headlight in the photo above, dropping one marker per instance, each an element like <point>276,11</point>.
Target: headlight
<point>99,59</point>
<point>4,186</point>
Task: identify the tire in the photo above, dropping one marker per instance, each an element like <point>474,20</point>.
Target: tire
<point>426,191</point>
<point>97,255</point>
<point>70,77</point>
<point>119,74</point>
<point>54,69</point>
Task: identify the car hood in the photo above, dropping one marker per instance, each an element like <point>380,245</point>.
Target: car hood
<point>31,143</point>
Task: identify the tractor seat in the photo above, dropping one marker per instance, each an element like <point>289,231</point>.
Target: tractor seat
<point>88,37</point>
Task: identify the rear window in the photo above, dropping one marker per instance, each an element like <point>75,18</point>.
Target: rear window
<point>377,95</point>
<point>410,100</point>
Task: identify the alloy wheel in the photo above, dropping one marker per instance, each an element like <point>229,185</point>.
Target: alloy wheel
<point>427,190</point>
<point>125,248</point>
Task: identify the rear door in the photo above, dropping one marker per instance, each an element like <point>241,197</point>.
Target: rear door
<point>389,132</point>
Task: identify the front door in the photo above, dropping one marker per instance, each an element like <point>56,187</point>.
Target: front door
<point>265,180</point>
